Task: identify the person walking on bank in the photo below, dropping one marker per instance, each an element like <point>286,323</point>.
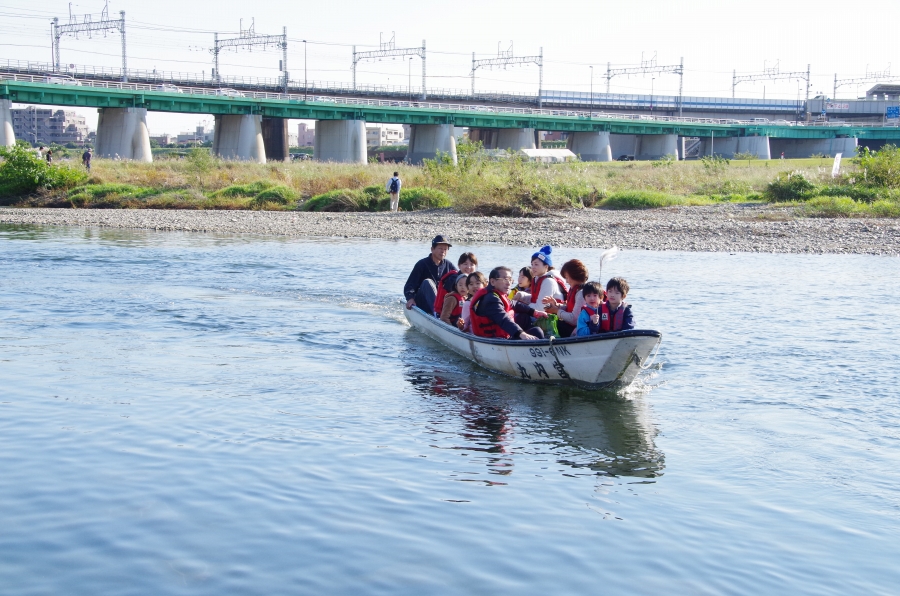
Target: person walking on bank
<point>421,286</point>
<point>393,187</point>
<point>49,155</point>
<point>86,159</point>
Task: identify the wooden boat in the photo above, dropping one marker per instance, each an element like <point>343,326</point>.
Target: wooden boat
<point>594,362</point>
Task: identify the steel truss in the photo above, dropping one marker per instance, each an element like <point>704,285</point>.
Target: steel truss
<point>389,49</point>
<point>248,39</point>
<point>505,58</point>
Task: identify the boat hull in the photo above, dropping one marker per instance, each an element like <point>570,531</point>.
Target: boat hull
<point>597,361</point>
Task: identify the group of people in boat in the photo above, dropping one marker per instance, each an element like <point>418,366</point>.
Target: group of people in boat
<point>462,297</point>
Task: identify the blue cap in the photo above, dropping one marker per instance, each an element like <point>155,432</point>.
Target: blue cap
<point>544,255</point>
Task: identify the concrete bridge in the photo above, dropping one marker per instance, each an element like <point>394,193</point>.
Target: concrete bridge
<point>253,125</point>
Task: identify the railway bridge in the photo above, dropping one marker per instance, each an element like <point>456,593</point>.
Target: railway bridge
<point>252,125</point>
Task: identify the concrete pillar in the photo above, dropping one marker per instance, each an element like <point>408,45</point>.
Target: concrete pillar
<point>590,146</point>
<point>515,138</point>
<point>758,146</point>
<point>800,148</point>
<point>342,141</point>
<point>275,139</point>
<point>239,137</point>
<point>656,146</point>
<point>622,145</point>
<point>725,147</point>
<point>7,137</point>
<point>122,134</point>
<point>425,140</point>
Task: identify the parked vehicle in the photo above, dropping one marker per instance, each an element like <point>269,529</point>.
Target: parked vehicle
<point>61,80</point>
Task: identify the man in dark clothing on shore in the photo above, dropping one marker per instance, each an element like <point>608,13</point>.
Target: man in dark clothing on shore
<point>492,306</point>
<point>421,286</point>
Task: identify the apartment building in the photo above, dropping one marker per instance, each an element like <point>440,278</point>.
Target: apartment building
<point>43,126</point>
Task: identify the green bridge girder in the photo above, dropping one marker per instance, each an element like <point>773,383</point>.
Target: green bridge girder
<point>158,101</point>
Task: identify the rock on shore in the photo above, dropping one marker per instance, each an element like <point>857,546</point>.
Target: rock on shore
<point>720,228</point>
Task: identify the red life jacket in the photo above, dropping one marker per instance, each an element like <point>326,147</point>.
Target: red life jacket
<point>536,286</point>
<point>617,319</point>
<point>483,326</point>
<point>570,300</point>
<point>441,292</point>
<point>457,311</point>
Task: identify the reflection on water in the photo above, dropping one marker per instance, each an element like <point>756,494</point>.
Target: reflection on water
<point>601,433</point>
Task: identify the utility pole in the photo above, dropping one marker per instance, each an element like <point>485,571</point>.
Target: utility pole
<point>649,67</point>
<point>389,49</point>
<point>249,39</point>
<point>506,58</point>
<point>592,92</point>
<point>305,84</point>
<point>89,25</point>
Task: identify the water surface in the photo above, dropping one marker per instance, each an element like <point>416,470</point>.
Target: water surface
<point>193,414</point>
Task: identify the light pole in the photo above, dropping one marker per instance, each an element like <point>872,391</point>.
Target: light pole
<point>592,91</point>
<point>305,84</point>
<point>652,81</point>
<point>409,78</point>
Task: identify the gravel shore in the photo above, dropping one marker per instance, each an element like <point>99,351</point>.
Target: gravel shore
<point>720,228</point>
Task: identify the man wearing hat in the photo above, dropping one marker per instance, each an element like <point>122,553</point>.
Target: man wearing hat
<point>421,286</point>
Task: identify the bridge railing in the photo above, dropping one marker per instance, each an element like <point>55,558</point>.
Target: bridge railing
<point>425,105</point>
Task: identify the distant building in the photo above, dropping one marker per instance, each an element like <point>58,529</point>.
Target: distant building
<point>164,139</point>
<point>381,135</point>
<point>306,136</point>
<point>555,135</point>
<point>43,126</point>
<point>201,134</point>
<point>292,140</point>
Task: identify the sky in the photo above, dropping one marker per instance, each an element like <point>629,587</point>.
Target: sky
<point>714,38</point>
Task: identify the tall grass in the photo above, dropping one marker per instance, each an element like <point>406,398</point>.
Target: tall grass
<point>476,185</point>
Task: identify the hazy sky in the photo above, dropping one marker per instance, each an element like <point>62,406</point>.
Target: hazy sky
<point>713,37</point>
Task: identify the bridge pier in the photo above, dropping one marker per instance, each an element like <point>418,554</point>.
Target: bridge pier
<point>650,147</point>
<point>516,138</point>
<point>239,137</point>
<point>122,133</point>
<point>276,139</point>
<point>425,140</point>
<point>590,146</point>
<point>729,146</point>
<point>342,141</point>
<point>800,148</point>
<point>7,136</point>
<point>487,136</point>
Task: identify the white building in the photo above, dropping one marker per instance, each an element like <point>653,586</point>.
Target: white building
<point>380,135</point>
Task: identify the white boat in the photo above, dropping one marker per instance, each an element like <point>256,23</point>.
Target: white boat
<point>593,362</point>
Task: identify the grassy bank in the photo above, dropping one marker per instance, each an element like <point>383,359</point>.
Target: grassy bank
<point>475,185</point>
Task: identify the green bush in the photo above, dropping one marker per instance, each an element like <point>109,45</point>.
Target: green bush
<point>22,172</point>
<point>278,195</point>
<point>831,207</point>
<point>343,199</point>
<point>107,195</point>
<point>422,197</point>
<point>640,199</point>
<point>856,192</point>
<point>789,186</point>
<point>880,168</point>
<point>244,190</point>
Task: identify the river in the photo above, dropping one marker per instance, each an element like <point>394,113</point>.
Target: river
<point>200,414</point>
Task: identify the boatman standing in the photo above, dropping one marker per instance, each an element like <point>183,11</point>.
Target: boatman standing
<point>421,286</point>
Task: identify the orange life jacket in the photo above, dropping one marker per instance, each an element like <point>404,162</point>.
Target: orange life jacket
<point>613,323</point>
<point>536,286</point>
<point>441,292</point>
<point>483,326</point>
<point>457,311</point>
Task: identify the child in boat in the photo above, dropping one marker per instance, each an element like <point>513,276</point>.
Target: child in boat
<point>467,263</point>
<point>524,284</point>
<point>576,275</point>
<point>453,300</point>
<point>475,281</point>
<point>605,316</point>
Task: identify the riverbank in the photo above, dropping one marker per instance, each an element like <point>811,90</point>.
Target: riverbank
<point>726,227</point>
